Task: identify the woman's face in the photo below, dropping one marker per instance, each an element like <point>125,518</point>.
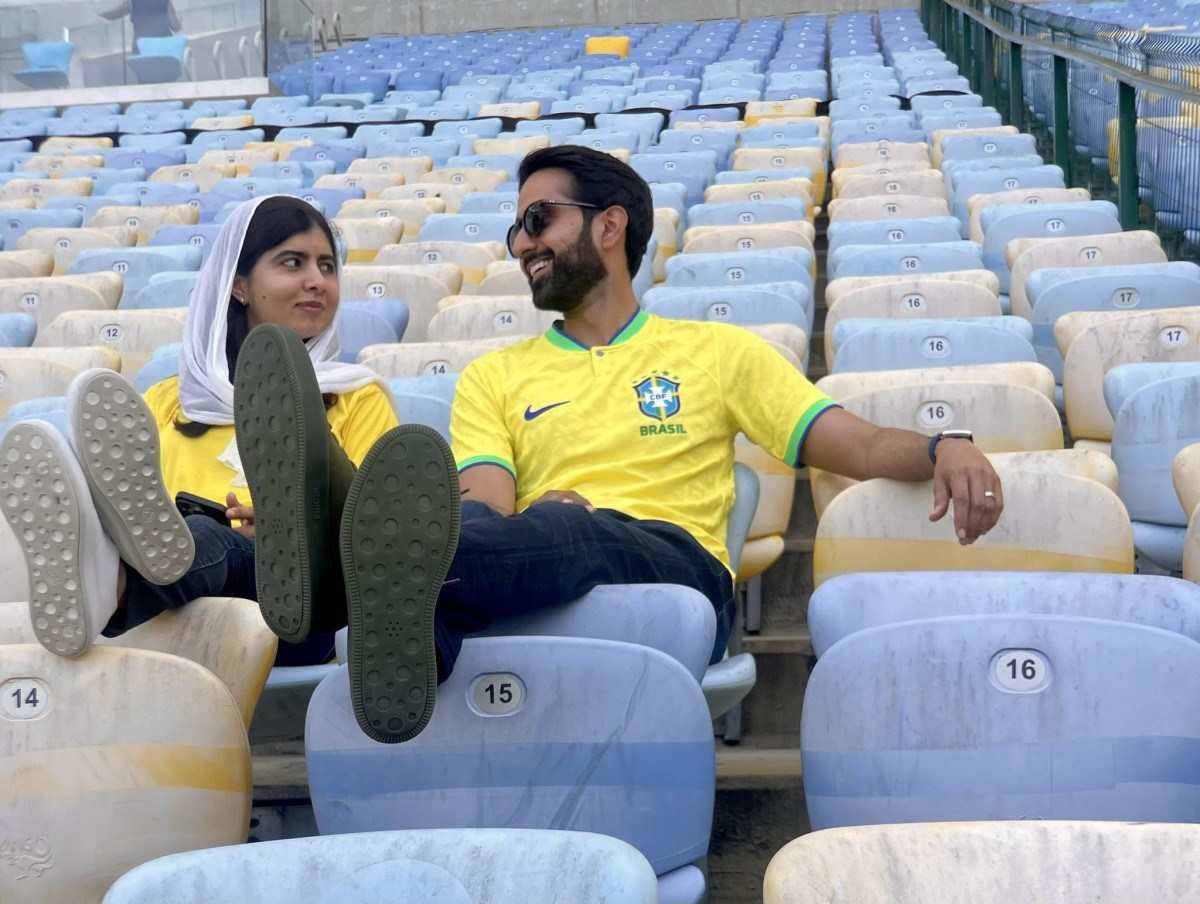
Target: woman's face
<point>293,284</point>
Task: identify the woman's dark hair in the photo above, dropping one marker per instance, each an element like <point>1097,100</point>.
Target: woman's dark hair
<point>605,181</point>
<point>275,220</point>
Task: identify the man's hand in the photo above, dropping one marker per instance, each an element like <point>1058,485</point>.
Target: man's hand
<point>963,474</point>
<point>567,497</point>
<point>243,513</point>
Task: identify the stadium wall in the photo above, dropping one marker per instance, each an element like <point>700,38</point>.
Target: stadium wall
<point>362,19</point>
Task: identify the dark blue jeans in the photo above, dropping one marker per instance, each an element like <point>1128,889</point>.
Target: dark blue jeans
<point>548,555</point>
<point>223,566</point>
<point>553,553</point>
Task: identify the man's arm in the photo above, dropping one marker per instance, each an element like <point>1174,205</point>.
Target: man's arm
<point>490,484</point>
<point>845,444</point>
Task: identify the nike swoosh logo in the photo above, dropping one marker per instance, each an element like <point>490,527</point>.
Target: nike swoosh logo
<point>531,413</point>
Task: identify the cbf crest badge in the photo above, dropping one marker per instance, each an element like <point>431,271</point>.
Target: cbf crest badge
<point>658,397</point>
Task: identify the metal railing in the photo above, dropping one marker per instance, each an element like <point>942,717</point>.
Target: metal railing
<point>1118,109</point>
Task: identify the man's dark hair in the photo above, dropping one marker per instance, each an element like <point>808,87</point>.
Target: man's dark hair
<point>605,181</point>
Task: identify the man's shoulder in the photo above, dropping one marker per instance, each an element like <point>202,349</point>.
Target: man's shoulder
<point>704,332</point>
<point>508,358</point>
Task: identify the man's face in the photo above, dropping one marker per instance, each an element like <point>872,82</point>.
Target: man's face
<point>561,263</point>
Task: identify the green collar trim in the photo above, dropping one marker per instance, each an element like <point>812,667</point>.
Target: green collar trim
<point>556,337</point>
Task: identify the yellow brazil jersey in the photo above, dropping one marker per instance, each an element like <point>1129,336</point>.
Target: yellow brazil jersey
<point>644,425</point>
<point>193,465</point>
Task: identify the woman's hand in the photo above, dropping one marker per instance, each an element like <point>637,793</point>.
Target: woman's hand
<point>242,513</point>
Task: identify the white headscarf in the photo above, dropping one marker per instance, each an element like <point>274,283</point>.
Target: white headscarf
<point>205,389</point>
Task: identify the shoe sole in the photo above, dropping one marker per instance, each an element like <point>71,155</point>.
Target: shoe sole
<point>42,490</point>
<point>399,534</point>
<point>116,441</point>
<point>282,436</point>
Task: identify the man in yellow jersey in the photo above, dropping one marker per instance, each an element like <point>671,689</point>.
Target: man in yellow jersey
<point>602,451</point>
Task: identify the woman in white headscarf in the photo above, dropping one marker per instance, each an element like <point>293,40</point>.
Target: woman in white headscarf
<point>274,261</point>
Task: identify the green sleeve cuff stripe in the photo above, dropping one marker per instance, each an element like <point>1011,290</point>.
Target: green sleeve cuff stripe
<point>796,443</point>
<point>487,460</point>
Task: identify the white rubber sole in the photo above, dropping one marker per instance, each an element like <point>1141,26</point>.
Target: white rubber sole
<point>116,441</point>
<point>72,565</point>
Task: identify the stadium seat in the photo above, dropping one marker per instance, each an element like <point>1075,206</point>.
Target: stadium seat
<point>420,287</point>
<point>487,316</point>
<point>180,763</point>
<point>882,207</point>
<point>886,260</point>
<point>505,866</point>
<point>134,335</point>
<point>15,223</point>
<point>146,218</point>
<point>982,752</point>
<point>882,525</point>
<point>47,64</point>
<point>17,330</point>
<point>472,258</point>
<point>891,344</point>
<point>204,176</point>
<point>1054,292</point>
<point>928,183</point>
<point>893,231</point>
<point>650,700</point>
<point>164,290</point>
<point>45,298</point>
<point>197,236</point>
<point>985,862</point>
<point>362,238</point>
<point>411,168</point>
<point>1001,224</point>
<point>31,373</point>
<point>415,359</point>
<point>137,265</point>
<point>741,268</point>
<point>755,237</point>
<point>977,204</point>
<point>1107,340</point>
<point>466,228</point>
<point>784,302</point>
<point>66,245</point>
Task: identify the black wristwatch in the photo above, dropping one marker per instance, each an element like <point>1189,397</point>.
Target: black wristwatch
<point>947,434</point>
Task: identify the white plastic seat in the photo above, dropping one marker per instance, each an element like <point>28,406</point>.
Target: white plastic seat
<point>420,287</point>
<point>132,334</point>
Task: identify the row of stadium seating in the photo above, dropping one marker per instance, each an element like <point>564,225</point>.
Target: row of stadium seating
<point>966,286</point>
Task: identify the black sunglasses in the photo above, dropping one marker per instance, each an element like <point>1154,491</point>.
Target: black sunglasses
<point>537,217</point>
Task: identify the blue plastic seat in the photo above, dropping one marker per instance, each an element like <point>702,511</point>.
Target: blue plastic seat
<point>850,603</point>
<point>240,189</point>
<point>740,268</point>
<point>899,231</point>
<point>465,227</point>
<point>152,193</point>
<point>694,169</point>
<point>363,323</point>
<point>635,763</point>
<point>164,290</point>
<point>645,125</point>
<point>329,200</point>
<point>307,171</point>
<point>931,103</point>
<point>967,182</point>
<point>777,302</point>
<point>1152,423</point>
<point>17,330</point>
<point>164,141</point>
<point>146,160</point>
<point>197,236</point>
<point>15,223</point>
<point>867,344</point>
<point>472,128</point>
<point>975,146</point>
<point>504,202</point>
<point>1054,291</point>
<point>137,265</point>
<point>219,107</point>
<point>963,118</point>
<point>888,260</point>
<point>225,140</point>
<point>924,721</point>
<point>745,213</point>
<point>340,156</point>
<point>720,142</point>
<point>47,64</point>
<point>1005,222</point>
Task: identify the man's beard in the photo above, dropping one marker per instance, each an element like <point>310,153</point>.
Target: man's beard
<point>572,276</point>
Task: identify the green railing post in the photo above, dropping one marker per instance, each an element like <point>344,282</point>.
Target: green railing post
<point>1016,86</point>
<point>1062,122</point>
<point>1127,191</point>
<point>990,74</point>
<point>948,40</point>
<point>968,50</point>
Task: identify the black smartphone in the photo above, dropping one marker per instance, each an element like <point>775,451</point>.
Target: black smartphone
<point>198,505</point>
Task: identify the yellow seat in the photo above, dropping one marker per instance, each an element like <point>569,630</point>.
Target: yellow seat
<point>56,163</point>
<point>108,761</point>
<point>842,174</point>
<point>776,491</point>
<point>25,263</point>
<point>420,286</point>
<point>364,237</point>
<point>30,373</point>
<point>411,168</point>
<point>243,160</point>
<point>488,316</point>
<point>1003,417</point>
<point>504,277</point>
<point>65,144</point>
<point>799,188</point>
<point>759,110</point>
<point>885,207</point>
<point>927,182</point>
<point>840,287</point>
<point>203,175</point>
<point>372,184</point>
<point>883,525</point>
<point>523,145</point>
<point>145,219</point>
<point>414,359</point>
<point>412,214</point>
<point>41,189</point>
<point>610,45</point>
<point>813,159</point>
<point>46,297</point>
<point>472,258</point>
<point>1185,471</point>
<point>133,334</point>
<point>755,237</point>
<point>1165,335</point>
<point>66,244</point>
<point>450,195</point>
<point>222,123</point>
<point>1029,374</point>
<point>474,178</point>
<point>880,153</point>
<point>512,110</point>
